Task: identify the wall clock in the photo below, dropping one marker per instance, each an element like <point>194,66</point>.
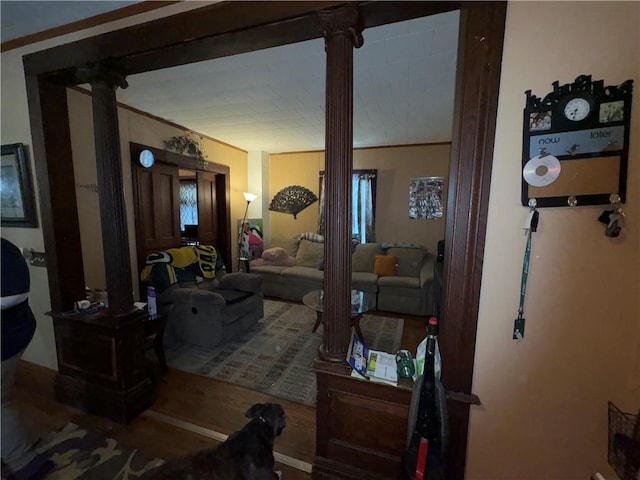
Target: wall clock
<point>146,158</point>
<point>577,107</point>
<point>582,129</point>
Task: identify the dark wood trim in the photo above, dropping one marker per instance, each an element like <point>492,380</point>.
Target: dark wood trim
<point>115,235</point>
<point>221,29</point>
<point>478,82</point>
<point>181,161</point>
<point>233,27</point>
<point>53,165</point>
<point>223,203</point>
<point>85,23</point>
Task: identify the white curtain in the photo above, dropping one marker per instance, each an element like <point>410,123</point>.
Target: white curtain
<point>362,207</point>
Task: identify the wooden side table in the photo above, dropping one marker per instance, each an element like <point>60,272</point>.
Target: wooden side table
<point>154,338</point>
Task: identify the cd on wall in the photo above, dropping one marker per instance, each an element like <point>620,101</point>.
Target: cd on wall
<point>541,171</point>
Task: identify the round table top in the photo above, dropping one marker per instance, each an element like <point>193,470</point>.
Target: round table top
<point>361,302</point>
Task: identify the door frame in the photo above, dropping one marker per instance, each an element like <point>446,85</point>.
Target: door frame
<point>229,28</point>
<point>223,178</point>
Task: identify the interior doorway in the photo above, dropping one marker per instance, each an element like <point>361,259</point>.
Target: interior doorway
<point>481,37</point>
<point>157,203</point>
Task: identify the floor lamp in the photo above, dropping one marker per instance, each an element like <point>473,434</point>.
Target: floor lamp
<point>249,197</point>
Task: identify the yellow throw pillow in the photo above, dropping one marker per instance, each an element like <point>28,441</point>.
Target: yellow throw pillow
<point>385,265</point>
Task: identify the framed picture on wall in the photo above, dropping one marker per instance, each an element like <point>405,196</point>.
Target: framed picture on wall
<point>17,200</point>
<point>425,197</point>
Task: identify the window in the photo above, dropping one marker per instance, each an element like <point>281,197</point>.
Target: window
<point>188,203</point>
<point>363,205</point>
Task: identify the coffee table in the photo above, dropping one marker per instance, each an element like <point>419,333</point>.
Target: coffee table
<point>361,302</point>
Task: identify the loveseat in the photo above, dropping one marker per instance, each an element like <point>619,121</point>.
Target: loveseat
<point>292,267</point>
<point>205,305</point>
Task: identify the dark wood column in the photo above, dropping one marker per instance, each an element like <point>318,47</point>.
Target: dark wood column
<point>341,32</point>
<point>101,364</point>
<point>113,211</point>
<point>361,425</point>
<point>52,154</point>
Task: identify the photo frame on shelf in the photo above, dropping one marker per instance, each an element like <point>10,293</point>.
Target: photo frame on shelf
<point>575,147</point>
<point>17,199</point>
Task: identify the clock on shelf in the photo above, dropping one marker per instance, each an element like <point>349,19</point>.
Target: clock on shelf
<point>575,145</point>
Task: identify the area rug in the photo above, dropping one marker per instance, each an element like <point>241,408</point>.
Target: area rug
<point>88,455</point>
<point>275,356</point>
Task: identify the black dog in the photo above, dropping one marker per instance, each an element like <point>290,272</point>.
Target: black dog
<point>246,455</point>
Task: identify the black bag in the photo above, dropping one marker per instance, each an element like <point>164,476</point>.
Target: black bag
<point>428,418</point>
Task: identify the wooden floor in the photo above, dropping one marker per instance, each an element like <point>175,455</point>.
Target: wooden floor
<point>206,404</point>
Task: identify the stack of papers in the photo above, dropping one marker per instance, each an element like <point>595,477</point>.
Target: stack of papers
<point>373,365</point>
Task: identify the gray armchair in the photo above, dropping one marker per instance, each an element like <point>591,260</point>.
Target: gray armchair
<point>208,306</point>
<point>212,312</point>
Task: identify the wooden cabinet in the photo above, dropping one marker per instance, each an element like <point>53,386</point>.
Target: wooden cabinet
<point>361,426</point>
<point>101,364</point>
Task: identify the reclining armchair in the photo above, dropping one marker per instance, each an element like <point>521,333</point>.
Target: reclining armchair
<point>206,306</point>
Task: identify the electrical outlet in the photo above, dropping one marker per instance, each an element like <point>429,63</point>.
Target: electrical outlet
<point>36,259</point>
<point>39,259</point>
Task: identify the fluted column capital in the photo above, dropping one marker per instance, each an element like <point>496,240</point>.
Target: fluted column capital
<point>342,21</point>
<point>98,74</point>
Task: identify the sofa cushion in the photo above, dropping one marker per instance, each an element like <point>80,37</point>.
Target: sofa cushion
<point>398,285</point>
<point>364,257</point>
<point>303,273</point>
<point>289,244</point>
<point>310,254</point>
<point>233,296</point>
<point>274,256</point>
<point>364,281</point>
<point>268,269</point>
<point>409,260</point>
<point>385,265</point>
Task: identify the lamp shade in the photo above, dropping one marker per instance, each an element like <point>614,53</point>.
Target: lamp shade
<point>249,197</point>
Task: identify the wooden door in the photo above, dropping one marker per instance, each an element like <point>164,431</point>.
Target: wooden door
<point>208,228</point>
<point>157,204</point>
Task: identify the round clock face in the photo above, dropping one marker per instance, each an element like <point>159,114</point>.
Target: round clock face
<point>146,159</point>
<point>577,109</point>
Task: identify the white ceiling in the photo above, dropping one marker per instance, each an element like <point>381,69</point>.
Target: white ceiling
<point>273,100</point>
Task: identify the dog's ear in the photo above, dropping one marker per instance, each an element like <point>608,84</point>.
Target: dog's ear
<point>254,411</point>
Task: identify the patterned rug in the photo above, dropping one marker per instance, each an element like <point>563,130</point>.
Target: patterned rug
<point>84,454</point>
<point>275,356</point>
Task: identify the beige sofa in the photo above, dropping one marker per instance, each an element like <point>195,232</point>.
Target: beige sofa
<point>408,290</point>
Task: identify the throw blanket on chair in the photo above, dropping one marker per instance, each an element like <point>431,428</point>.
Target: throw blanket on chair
<point>184,264</point>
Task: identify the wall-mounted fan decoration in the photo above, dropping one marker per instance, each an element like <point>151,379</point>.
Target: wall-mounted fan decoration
<point>292,199</point>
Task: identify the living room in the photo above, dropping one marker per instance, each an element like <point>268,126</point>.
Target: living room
<point>497,428</point>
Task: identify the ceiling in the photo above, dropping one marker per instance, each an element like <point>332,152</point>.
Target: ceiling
<point>273,100</point>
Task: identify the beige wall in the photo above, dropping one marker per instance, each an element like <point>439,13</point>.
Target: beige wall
<point>395,165</point>
<point>293,169</point>
<point>140,129</point>
<point>544,412</point>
